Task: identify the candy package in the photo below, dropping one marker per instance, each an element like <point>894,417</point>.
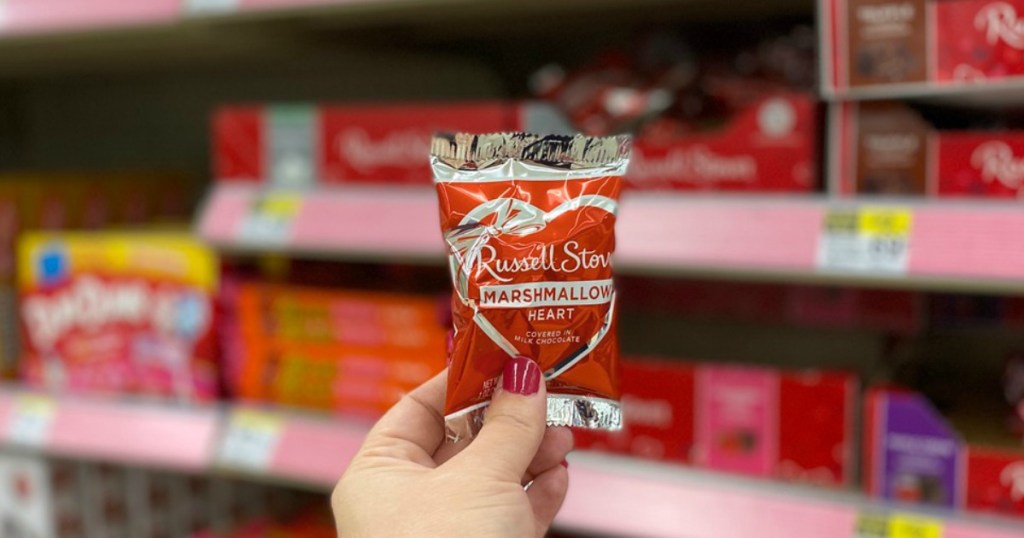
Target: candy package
<point>529,222</point>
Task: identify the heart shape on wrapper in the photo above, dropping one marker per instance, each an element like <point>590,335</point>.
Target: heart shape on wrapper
<point>516,265</point>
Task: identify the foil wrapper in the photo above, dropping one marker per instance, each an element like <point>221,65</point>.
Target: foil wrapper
<point>529,224</point>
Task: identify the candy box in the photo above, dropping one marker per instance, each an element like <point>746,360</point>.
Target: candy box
<point>770,145</point>
<point>919,44</point>
<point>118,312</point>
<point>754,421</point>
<point>349,351</point>
<point>743,420</point>
<point>657,401</point>
<point>889,148</point>
<point>913,453</point>
<point>302,145</point>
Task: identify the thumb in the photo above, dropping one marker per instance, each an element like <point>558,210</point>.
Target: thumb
<point>514,423</point>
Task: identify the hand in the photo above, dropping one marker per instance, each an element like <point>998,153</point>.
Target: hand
<point>407,481</point>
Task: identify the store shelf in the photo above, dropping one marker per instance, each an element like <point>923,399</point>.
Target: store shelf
<point>617,496</point>
<point>142,433</point>
<point>997,93</point>
<point>610,495</point>
<point>18,17</point>
<point>970,246</point>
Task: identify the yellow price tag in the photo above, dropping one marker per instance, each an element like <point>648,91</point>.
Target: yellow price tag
<point>893,222</point>
<point>907,526</point>
<point>279,205</point>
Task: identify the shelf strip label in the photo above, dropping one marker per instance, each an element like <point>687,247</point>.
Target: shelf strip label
<point>31,420</point>
<point>896,525</point>
<point>866,240</point>
<point>250,440</point>
<point>270,218</point>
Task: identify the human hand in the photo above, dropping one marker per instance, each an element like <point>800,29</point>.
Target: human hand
<point>406,480</point>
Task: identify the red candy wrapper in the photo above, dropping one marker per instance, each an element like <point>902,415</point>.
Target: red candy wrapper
<point>529,221</point>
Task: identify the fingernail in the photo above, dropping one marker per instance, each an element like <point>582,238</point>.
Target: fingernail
<point>522,376</point>
<point>564,463</point>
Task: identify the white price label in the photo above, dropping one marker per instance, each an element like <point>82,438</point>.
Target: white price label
<point>211,6</point>
<point>270,219</point>
<point>251,440</point>
<point>31,420</point>
<point>865,240</point>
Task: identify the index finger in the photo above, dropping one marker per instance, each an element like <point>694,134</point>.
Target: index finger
<point>413,428</point>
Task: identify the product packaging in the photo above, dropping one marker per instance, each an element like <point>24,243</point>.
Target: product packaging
<point>770,145</point>
<point>913,453</point>
<point>658,400</point>
<point>873,44</point>
<point>118,312</point>
<point>529,222</point>
<point>737,419</point>
<point>354,352</point>
<point>889,148</point>
<point>382,143</point>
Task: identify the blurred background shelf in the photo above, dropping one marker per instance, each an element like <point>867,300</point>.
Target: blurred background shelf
<point>952,245</point>
<point>150,434</point>
<point>610,495</point>
<point>803,303</point>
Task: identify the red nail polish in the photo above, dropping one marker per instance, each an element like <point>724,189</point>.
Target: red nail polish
<point>522,376</point>
<point>564,463</point>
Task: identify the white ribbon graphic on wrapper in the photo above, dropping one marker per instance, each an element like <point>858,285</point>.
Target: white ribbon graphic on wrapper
<point>515,217</point>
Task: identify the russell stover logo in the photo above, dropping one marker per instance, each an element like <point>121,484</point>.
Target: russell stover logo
<point>999,22</point>
<point>996,162</point>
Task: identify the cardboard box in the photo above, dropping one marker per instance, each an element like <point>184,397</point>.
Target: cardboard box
<point>743,420</point>
<point>342,350</point>
<point>887,148</point>
<point>657,399</point>
<point>919,43</point>
<point>118,312</point>
<point>770,146</point>
<point>914,454</point>
<point>305,145</point>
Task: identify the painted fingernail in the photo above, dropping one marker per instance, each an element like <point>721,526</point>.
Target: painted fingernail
<point>564,463</point>
<point>522,376</point>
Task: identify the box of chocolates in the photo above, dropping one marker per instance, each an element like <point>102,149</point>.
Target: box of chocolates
<point>127,312</point>
<point>740,116</point>
<point>743,420</point>
<point>914,453</point>
<point>657,401</point>
<point>349,351</point>
<point>301,146</point>
<point>890,148</point>
<point>770,145</point>
<point>78,201</point>
<point>873,44</point>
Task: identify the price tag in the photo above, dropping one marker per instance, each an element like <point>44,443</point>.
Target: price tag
<point>250,440</point>
<point>907,526</point>
<point>210,6</point>
<point>876,525</point>
<point>870,240</point>
<point>31,420</point>
<point>871,526</point>
<point>270,218</point>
